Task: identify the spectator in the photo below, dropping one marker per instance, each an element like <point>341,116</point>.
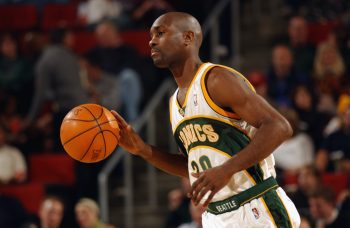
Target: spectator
<point>309,179</point>
<point>312,121</point>
<point>298,149</point>
<point>103,87</point>
<point>258,80</point>
<point>178,204</point>
<point>196,216</point>
<point>329,69</point>
<point>87,214</point>
<point>305,222</point>
<point>149,10</point>
<point>116,58</point>
<point>94,11</point>
<point>51,212</point>
<point>16,73</point>
<point>344,203</point>
<point>11,119</point>
<point>13,167</point>
<point>334,154</point>
<point>303,51</point>
<point>58,79</point>
<point>324,211</point>
<point>12,213</point>
<point>283,77</point>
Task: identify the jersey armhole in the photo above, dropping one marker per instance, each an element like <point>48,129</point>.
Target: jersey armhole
<point>210,102</point>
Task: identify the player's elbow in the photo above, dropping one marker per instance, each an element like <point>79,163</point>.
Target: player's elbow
<point>285,129</point>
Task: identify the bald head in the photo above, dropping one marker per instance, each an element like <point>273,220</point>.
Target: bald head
<point>175,37</point>
<point>184,22</point>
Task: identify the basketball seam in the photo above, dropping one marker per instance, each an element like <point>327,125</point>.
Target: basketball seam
<point>88,130</point>
<point>96,119</point>
<point>80,120</point>
<point>93,141</point>
<point>89,147</point>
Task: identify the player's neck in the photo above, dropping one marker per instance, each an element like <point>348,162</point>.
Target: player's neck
<point>184,72</point>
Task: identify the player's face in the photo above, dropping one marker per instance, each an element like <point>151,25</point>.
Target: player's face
<point>166,43</point>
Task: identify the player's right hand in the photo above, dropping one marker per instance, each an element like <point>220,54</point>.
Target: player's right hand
<point>129,139</point>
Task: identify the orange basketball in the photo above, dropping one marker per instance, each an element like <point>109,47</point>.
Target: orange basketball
<point>89,133</point>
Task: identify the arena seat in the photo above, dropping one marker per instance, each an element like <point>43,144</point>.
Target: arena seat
<point>290,179</point>
<point>84,41</point>
<point>18,17</point>
<point>52,169</point>
<point>56,15</point>
<point>30,195</point>
<point>319,31</point>
<point>138,39</point>
<point>336,181</point>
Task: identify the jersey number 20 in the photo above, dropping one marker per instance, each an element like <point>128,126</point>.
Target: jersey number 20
<point>204,162</point>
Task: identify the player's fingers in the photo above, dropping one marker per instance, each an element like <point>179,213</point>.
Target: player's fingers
<point>210,197</point>
<point>196,175</point>
<point>204,190</point>
<point>199,180</point>
<point>200,184</point>
<point>119,118</point>
<point>196,191</point>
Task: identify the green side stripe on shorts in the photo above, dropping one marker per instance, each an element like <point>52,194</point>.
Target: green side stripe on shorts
<point>256,172</point>
<point>277,209</point>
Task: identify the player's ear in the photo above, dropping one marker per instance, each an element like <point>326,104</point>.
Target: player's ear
<point>188,37</point>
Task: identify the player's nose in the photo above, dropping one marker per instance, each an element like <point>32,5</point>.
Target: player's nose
<point>152,42</point>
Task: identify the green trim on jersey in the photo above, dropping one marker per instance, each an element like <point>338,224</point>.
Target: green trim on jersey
<point>256,173</point>
<point>277,209</point>
<point>229,139</point>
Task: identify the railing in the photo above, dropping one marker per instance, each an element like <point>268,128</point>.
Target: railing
<point>211,27</point>
<point>147,118</point>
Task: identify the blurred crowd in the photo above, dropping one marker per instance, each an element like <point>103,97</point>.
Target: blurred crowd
<point>42,77</point>
<point>308,81</point>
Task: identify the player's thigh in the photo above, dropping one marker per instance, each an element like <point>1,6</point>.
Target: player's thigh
<point>280,209</point>
<point>292,210</point>
<point>253,214</point>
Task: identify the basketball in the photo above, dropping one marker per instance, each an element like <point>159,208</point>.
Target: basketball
<point>89,133</point>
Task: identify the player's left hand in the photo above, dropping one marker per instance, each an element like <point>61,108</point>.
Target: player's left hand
<point>210,180</point>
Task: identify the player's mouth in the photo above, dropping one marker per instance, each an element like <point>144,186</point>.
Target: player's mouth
<point>154,52</point>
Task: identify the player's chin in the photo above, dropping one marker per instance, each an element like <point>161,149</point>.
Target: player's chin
<point>159,63</point>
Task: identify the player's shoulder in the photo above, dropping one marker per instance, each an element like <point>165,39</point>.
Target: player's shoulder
<point>221,74</point>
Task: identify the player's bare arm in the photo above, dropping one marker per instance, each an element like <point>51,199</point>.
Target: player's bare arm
<point>175,164</point>
<point>230,91</point>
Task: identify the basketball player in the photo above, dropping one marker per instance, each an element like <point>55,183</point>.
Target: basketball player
<point>225,131</point>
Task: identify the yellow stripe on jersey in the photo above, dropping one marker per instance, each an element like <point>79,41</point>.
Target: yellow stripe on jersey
<point>208,99</point>
<point>239,74</point>
<point>210,102</point>
<point>170,110</point>
<point>211,149</point>
<point>213,118</point>
<point>188,89</point>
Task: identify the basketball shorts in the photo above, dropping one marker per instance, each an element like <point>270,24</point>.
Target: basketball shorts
<point>272,209</point>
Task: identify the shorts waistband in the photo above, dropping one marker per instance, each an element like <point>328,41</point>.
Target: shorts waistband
<point>234,202</point>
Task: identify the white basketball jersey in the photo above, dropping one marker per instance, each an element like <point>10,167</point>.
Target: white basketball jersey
<point>209,135</point>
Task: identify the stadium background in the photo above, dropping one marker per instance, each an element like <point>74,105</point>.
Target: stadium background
<point>296,54</point>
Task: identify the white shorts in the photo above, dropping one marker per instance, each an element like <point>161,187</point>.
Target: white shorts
<point>273,209</point>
